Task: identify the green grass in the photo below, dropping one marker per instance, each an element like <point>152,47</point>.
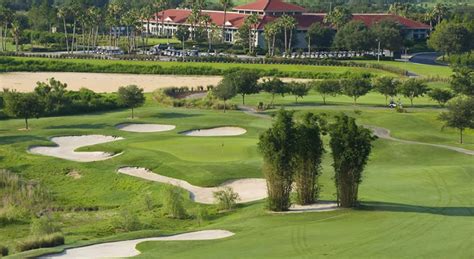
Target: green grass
<point>419,69</point>
<point>415,197</point>
<point>280,67</point>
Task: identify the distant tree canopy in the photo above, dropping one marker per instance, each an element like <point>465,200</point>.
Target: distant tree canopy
<point>451,38</point>
<point>354,36</point>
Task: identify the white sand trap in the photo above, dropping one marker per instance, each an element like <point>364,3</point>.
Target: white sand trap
<point>215,132</point>
<point>145,128</point>
<point>66,147</point>
<point>127,248</point>
<point>248,189</point>
<point>317,207</point>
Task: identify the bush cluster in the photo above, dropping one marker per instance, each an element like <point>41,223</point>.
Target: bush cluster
<point>8,64</point>
<point>3,250</point>
<point>35,242</point>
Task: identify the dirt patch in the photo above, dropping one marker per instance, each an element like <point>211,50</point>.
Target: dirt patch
<point>76,175</point>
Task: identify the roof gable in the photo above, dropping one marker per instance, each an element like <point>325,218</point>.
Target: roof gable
<point>269,6</point>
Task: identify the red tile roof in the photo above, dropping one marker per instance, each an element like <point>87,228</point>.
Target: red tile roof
<point>180,16</point>
<point>269,6</point>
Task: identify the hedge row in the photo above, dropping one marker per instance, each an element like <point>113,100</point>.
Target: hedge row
<point>8,64</point>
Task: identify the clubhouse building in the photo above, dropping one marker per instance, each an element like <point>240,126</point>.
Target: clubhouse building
<point>268,11</point>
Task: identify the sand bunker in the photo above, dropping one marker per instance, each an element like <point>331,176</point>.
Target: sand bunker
<point>66,147</point>
<point>145,128</point>
<point>317,207</point>
<point>248,189</point>
<point>127,248</point>
<point>215,132</point>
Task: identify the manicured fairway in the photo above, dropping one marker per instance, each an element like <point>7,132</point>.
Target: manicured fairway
<point>419,69</point>
<point>417,200</point>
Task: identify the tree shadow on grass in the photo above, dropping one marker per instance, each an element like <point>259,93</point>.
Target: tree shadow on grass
<point>398,207</point>
<point>174,115</point>
<point>6,140</point>
<point>80,126</point>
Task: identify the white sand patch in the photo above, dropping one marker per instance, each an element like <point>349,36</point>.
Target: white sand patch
<point>145,128</point>
<point>215,132</point>
<point>128,248</point>
<point>248,189</point>
<point>317,207</point>
<point>66,147</point>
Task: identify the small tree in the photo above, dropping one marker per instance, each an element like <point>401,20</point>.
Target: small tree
<point>225,90</point>
<point>450,37</point>
<point>277,145</point>
<point>226,199</point>
<point>442,96</point>
<point>327,88</point>
<point>244,81</point>
<point>23,105</point>
<point>182,34</point>
<point>319,36</point>
<point>356,87</point>
<point>387,86</point>
<point>131,96</point>
<point>351,146</point>
<point>274,86</point>
<point>413,88</point>
<point>462,81</point>
<point>308,156</point>
<point>173,203</point>
<point>460,115</point>
<point>298,89</point>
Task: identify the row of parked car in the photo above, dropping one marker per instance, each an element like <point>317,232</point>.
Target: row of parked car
<point>332,54</point>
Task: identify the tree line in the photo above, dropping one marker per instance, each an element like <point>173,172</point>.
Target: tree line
<point>51,98</point>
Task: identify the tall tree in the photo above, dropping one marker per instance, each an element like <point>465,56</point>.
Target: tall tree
<point>413,88</point>
<point>271,31</point>
<point>354,36</point>
<point>307,159</point>
<point>277,146</point>
<point>388,86</point>
<point>351,146</point>
<point>131,96</point>
<point>288,23</point>
<point>225,6</point>
<point>450,37</point>
<point>388,33</point>
<point>319,36</point>
<point>63,13</point>
<point>460,115</point>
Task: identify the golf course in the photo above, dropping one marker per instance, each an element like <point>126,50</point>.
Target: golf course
<point>105,171</point>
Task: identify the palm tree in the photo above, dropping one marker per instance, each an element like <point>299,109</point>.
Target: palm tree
<point>16,28</point>
<point>252,22</point>
<point>6,16</point>
<point>193,19</point>
<point>63,12</point>
<point>271,30</point>
<point>338,17</point>
<point>162,5</point>
<point>288,23</point>
<point>225,4</point>
<point>206,19</point>
<point>439,11</point>
<point>146,14</point>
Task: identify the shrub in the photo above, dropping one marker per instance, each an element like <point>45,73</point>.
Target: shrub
<point>35,242</point>
<point>44,225</point>
<point>148,200</point>
<point>226,199</point>
<point>126,221</point>
<point>3,250</point>
<point>173,203</point>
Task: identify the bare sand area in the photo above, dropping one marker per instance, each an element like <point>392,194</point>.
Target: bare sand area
<point>106,82</point>
<point>66,146</point>
<point>215,132</point>
<point>127,248</point>
<point>248,189</point>
<point>145,128</point>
